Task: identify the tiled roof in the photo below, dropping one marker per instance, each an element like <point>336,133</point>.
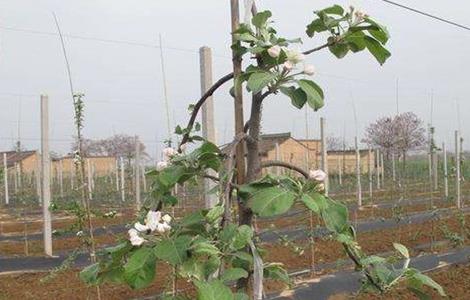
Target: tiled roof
<point>14,157</point>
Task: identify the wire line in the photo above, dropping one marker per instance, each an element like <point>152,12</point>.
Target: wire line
<point>427,14</point>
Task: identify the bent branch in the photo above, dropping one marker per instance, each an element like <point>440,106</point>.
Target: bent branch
<point>276,163</point>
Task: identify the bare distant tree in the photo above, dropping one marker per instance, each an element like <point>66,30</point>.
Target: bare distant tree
<point>335,143</point>
<point>399,134</point>
<point>381,134</point>
<point>410,133</point>
<point>118,145</point>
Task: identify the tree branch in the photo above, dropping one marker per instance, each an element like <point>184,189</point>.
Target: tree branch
<point>357,262</point>
<point>319,48</point>
<point>276,163</point>
<point>199,104</point>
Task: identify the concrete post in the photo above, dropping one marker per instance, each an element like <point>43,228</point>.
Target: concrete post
<point>116,174</point>
<point>123,184</point>
<point>5,178</point>
<point>358,173</point>
<point>137,173</point>
<point>324,153</point>
<point>394,172</point>
<point>382,170</point>
<point>37,176</point>
<point>144,179</point>
<point>377,167</point>
<point>340,171</point>
<point>89,178</point>
<point>446,175</point>
<point>61,178</point>
<point>72,174</point>
<point>208,129</point>
<point>277,152</point>
<point>45,175</point>
<point>369,172</point>
<point>457,169</point>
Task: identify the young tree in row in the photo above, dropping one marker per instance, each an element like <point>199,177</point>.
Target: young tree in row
<point>208,249</point>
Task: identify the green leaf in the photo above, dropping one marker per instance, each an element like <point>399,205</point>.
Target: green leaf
<point>297,96</point>
<point>402,249</point>
<point>258,80</point>
<point>240,296</point>
<point>356,41</point>
<point>139,271</point>
<point>376,49</point>
<point>234,274</point>
<point>314,93</point>
<point>335,216</point>
<point>373,259</point>
<point>334,10</point>
<point>205,248</point>
<point>426,280</point>
<point>310,203</point>
<point>379,31</point>
<point>316,25</point>
<point>271,201</point>
<point>89,275</point>
<point>214,214</point>
<point>242,237</point>
<point>246,37</point>
<point>173,250</point>
<point>339,49</point>
<point>213,290</point>
<point>259,20</point>
<point>275,271</point>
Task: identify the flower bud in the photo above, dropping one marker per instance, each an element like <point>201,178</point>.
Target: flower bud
<point>166,218</point>
<point>161,165</point>
<point>318,175</point>
<point>169,152</point>
<point>274,51</point>
<point>295,56</point>
<point>309,70</point>
<point>288,65</point>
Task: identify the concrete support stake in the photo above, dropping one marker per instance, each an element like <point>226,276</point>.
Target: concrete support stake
<point>45,175</point>
<point>208,128</point>
<point>457,169</point>
<point>358,173</point>
<point>5,178</point>
<point>123,184</point>
<point>324,153</point>
<point>446,174</point>
<point>137,173</point>
<point>369,173</point>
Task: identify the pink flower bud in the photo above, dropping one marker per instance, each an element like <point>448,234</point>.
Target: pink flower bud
<point>309,70</point>
<point>274,51</point>
<point>161,165</point>
<point>318,175</point>
<point>288,65</point>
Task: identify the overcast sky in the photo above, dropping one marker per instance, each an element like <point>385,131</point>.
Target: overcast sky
<point>124,87</point>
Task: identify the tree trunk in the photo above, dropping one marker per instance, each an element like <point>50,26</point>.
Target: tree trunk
<point>253,158</point>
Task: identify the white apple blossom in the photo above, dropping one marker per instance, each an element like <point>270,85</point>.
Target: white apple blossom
<point>309,70</point>
<point>169,152</point>
<point>161,165</point>
<point>288,65</point>
<point>318,175</point>
<point>166,218</point>
<point>140,227</point>
<point>183,147</point>
<point>163,227</point>
<point>134,237</point>
<point>295,56</point>
<point>274,51</point>
<point>153,219</point>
